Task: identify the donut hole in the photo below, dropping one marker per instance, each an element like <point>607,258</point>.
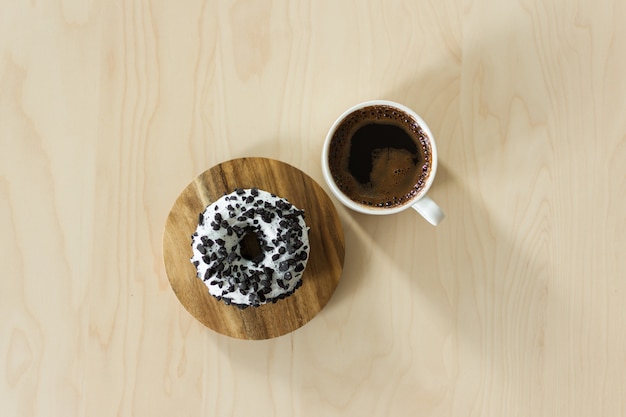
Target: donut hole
<point>251,247</point>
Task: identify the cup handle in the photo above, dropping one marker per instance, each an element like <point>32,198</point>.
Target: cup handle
<point>429,210</point>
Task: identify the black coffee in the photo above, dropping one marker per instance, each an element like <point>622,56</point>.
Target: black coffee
<point>379,156</point>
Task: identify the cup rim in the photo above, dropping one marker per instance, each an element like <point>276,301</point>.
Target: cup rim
<point>345,200</point>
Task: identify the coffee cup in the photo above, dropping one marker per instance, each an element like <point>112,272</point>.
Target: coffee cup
<point>380,157</point>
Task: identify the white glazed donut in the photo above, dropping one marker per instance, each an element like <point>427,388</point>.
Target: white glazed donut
<point>250,248</point>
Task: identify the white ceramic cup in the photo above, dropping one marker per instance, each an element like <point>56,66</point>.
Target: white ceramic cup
<point>423,204</point>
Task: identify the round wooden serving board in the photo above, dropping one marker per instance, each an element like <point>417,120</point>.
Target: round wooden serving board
<point>320,277</point>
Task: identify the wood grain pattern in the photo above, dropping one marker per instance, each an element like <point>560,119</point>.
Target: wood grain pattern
<point>323,269</point>
<point>513,306</point>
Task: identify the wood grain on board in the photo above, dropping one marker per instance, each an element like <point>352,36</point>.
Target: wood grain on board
<point>323,269</point>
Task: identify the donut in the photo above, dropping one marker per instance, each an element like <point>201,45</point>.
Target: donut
<point>250,248</point>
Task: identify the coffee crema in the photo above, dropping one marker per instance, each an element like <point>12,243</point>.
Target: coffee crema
<point>379,156</point>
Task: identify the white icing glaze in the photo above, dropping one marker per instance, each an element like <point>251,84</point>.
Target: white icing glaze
<point>228,269</point>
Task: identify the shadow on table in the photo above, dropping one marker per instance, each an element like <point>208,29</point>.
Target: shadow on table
<point>458,276</point>
<point>446,283</point>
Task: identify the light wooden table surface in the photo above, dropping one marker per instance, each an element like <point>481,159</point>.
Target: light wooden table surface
<point>513,306</point>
